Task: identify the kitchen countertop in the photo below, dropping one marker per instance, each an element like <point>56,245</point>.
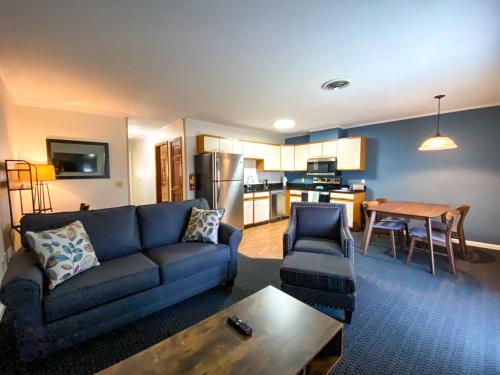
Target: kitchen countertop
<point>297,186</point>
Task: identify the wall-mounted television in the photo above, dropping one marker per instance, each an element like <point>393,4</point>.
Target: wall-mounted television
<point>78,159</point>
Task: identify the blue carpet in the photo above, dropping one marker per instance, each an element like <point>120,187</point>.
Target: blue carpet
<point>406,320</point>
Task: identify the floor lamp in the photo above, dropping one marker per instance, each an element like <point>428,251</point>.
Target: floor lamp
<point>43,173</point>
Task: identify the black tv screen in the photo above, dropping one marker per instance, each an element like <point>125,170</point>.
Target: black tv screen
<point>65,162</point>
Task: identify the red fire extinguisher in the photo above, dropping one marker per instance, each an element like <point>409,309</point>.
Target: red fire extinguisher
<point>191,182</point>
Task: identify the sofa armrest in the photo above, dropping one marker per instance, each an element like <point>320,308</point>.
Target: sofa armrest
<point>346,239</point>
<point>231,236</point>
<point>289,237</point>
<point>22,288</point>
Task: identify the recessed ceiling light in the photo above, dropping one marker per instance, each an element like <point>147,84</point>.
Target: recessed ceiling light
<point>335,84</point>
<point>284,124</point>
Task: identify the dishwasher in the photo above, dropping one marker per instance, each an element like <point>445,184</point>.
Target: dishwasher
<point>277,204</point>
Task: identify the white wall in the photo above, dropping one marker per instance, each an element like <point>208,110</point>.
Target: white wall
<point>193,128</point>
<point>143,164</point>
<point>7,122</point>
<point>35,125</point>
<point>254,177</point>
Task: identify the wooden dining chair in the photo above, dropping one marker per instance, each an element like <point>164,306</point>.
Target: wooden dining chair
<point>404,220</point>
<point>439,238</point>
<point>457,231</point>
<point>385,226</point>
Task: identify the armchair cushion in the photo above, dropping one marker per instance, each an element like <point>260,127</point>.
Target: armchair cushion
<point>318,221</point>
<point>318,245</point>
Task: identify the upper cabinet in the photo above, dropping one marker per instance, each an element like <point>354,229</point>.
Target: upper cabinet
<point>301,156</point>
<point>207,143</point>
<point>329,149</point>
<point>315,150</point>
<point>248,149</point>
<point>226,145</point>
<point>351,153</point>
<point>287,158</point>
<point>237,146</point>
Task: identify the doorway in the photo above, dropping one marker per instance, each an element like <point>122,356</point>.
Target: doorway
<point>169,171</point>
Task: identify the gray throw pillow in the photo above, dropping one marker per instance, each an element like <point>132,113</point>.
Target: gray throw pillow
<point>203,226</point>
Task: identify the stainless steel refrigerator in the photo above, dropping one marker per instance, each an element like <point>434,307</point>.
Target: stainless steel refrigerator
<point>219,179</point>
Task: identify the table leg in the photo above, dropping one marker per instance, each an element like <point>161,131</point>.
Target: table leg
<point>429,242</point>
<point>368,232</point>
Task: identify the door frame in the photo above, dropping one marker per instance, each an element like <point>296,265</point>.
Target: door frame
<point>180,139</point>
<point>158,170</point>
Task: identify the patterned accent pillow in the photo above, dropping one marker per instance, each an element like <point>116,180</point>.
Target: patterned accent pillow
<point>63,252</point>
<point>203,226</point>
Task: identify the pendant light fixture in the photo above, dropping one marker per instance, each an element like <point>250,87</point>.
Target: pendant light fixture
<point>438,141</point>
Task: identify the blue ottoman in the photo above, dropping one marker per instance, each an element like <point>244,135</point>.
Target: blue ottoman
<point>320,279</point>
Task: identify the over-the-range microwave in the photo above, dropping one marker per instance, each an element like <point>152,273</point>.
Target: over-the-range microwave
<point>321,166</point>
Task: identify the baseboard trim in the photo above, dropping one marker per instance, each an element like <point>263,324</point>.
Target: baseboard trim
<point>482,245</point>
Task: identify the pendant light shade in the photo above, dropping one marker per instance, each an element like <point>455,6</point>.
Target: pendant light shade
<point>438,141</point>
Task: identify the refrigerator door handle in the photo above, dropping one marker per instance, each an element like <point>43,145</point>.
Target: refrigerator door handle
<point>218,195</point>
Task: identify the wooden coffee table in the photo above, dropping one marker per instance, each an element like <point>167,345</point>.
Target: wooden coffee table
<point>289,337</point>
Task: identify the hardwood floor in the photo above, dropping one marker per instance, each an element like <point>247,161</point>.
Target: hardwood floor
<point>264,241</point>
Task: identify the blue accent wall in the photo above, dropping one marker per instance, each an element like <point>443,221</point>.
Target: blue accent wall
<point>470,174</point>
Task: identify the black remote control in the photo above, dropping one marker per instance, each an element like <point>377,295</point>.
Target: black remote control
<point>240,325</point>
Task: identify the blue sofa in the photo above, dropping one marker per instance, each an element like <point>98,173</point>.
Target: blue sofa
<point>144,268</point>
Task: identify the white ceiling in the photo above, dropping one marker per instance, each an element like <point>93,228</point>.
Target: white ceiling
<point>250,62</point>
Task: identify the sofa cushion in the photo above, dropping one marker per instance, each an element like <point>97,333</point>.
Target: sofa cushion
<point>63,252</point>
<point>183,259</point>
<point>318,271</point>
<point>318,245</point>
<point>164,223</point>
<point>319,222</point>
<point>113,279</point>
<point>114,232</point>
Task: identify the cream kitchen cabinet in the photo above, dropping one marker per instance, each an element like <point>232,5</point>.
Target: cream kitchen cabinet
<point>226,145</point>
<point>207,143</point>
<point>301,156</point>
<point>287,158</point>
<point>248,211</point>
<point>351,153</point>
<point>353,203</point>
<point>237,146</point>
<point>315,150</point>
<point>329,149</point>
<point>261,211</point>
<point>248,149</point>
<point>276,153</point>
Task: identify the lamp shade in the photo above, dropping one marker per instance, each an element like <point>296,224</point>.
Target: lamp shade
<point>22,174</point>
<point>45,172</point>
<point>436,143</point>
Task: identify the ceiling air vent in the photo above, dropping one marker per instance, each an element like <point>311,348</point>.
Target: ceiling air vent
<point>335,84</point>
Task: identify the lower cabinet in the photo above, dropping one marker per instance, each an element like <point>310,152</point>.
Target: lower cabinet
<point>353,204</point>
<point>261,210</point>
<point>248,212</point>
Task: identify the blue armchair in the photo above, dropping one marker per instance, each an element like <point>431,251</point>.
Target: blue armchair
<point>319,228</point>
<point>318,256</point>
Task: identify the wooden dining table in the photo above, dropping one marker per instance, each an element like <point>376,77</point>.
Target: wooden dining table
<point>410,210</point>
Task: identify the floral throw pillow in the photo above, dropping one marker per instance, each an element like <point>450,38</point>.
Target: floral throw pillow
<point>63,252</point>
<point>203,226</point>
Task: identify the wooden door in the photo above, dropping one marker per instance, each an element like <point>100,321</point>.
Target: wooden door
<point>176,170</point>
<point>162,173</point>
